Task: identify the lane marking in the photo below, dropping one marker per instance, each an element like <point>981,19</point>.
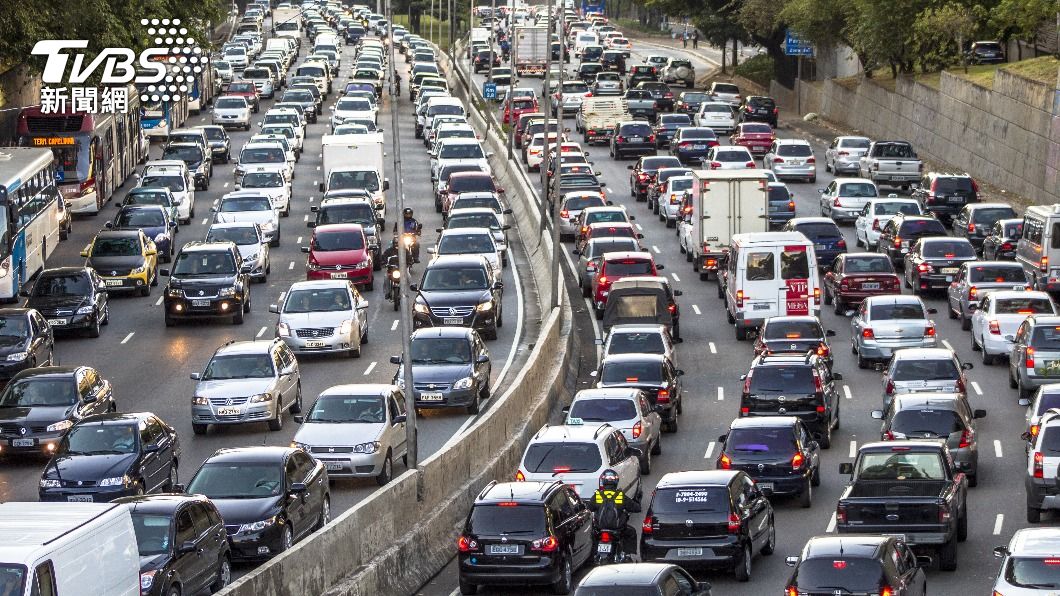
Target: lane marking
<point>299,241</point>
<point>675,277</point>
<point>318,168</point>
<point>710,450</point>
<point>368,370</point>
<point>261,332</point>
<point>713,348</point>
<point>283,295</point>
<point>311,199</point>
<point>291,266</point>
<point>695,309</point>
<point>721,394</point>
<point>305,217</point>
<point>204,220</point>
<point>225,185</point>
<point>997,448</point>
<point>831,524</point>
<point>128,337</point>
<point>159,301</point>
<point>947,344</point>
<point>609,190</point>
<point>998,522</point>
<point>656,249</point>
<point>639,228</point>
<point>978,390</point>
<point>395,325</point>
<point>853,449</point>
<point>846,392</point>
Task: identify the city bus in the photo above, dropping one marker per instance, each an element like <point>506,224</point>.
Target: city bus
<point>202,90</point>
<point>96,153</point>
<point>160,117</point>
<point>29,215</point>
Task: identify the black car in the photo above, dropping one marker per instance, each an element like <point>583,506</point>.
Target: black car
<point>39,405</point>
<point>691,144</point>
<point>26,340</point>
<point>459,290</point>
<point>182,542</point>
<point>975,221</point>
<point>207,281</point>
<point>790,385</point>
<point>220,143</point>
<point>520,533</point>
<point>1000,241</point>
<point>659,184</point>
<point>902,232</point>
<point>304,97</point>
<point>945,194</point>
<point>482,60</point>
<point>757,108</point>
<point>557,47</point>
<point>986,52</point>
<point>777,452</point>
<point>652,373</point>
<point>857,564</point>
<point>827,238</point>
<point>641,73</point>
<point>642,579</point>
<point>70,298</point>
<point>933,263</point>
<point>667,125</point>
<point>794,334</point>
<point>708,519</point>
<point>450,368</point>
<point>200,164</point>
<point>353,35</point>
<point>643,173</point>
<point>587,71</point>
<point>107,456</point>
<point>661,93</point>
<point>614,60</point>
<point>268,497</point>
<point>689,102</point>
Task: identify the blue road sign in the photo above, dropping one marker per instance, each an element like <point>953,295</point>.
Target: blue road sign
<point>793,46</point>
<point>489,90</point>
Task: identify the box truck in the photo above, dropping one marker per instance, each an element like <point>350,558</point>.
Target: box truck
<point>355,162</point>
<point>530,50</point>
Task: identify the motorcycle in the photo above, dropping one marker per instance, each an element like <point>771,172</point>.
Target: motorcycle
<point>411,243</point>
<point>393,281</point>
<point>609,547</point>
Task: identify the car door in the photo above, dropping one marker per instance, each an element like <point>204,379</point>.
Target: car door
<point>38,347</point>
<point>396,430</point>
<point>187,566</point>
<point>151,463</point>
<point>482,369</point>
<point>297,503</point>
<point>99,293</point>
<point>827,194</point>
<point>167,448</point>
<point>581,520</point>
<point>811,451</point>
<point>960,223</point>
<point>207,546</point>
<point>627,466</point>
<point>46,333</point>
<point>361,315</point>
<point>1019,344</point>
<point>956,288</point>
<point>755,513</point>
<point>312,472</point>
<point>290,366</point>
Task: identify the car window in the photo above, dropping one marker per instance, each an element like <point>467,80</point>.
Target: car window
<point>927,423</point>
<point>761,441</point>
<point>185,527</point>
<point>705,499</point>
<point>760,266</point>
<point>791,379</point>
<point>896,311</point>
<point>854,574</point>
<point>200,518</point>
<point>908,369</point>
<point>562,457</point>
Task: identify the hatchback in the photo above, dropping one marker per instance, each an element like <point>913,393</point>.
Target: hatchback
<point>757,108</point>
<point>975,279</point>
<point>791,158</point>
<point>322,316</point>
<point>39,405</point>
<point>252,245</point>
<point>1029,564</point>
<point>667,126</point>
<point>641,339</point>
<point>717,116</point>
<point>832,564</point>
<point>845,199</point>
<point>856,276</point>
<point>691,143</point>
<point>727,157</point>
<point>652,373</point>
<point>924,370</point>
<point>571,207</point>
<point>933,263</point>
<point>1000,241</point>
<point>844,154</point>
<point>340,251</point>
<point>127,259</point>
<point>777,452</point>
<point>794,334</point>
<point>615,266</point>
<point>450,368</point>
<point>628,410</point>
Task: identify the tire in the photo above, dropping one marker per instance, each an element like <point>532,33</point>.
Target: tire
<point>466,588</point>
<point>656,449</point>
<point>645,464</point>
<point>988,359</point>
<point>975,346</point>
<point>1034,515</point>
<point>325,513</point>
<point>288,538</point>
<point>1011,380</point>
<point>564,583</point>
<point>387,473</point>
<point>224,575</point>
<point>948,556</point>
<point>741,333</point>
<point>770,546</point>
<point>1024,393</point>
<point>173,591</point>
<point>170,321</point>
<point>199,429</point>
<point>962,527</point>
<point>966,323</point>
<point>671,426</point>
<point>743,566</point>
<point>93,331</point>
<point>237,319</point>
<point>472,408</point>
<point>296,407</point>
<point>826,439</point>
<point>806,497</point>
<point>839,308</point>
<point>276,424</point>
<point>862,363</point>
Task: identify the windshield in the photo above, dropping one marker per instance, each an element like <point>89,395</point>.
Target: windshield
<point>604,409</point>
<point>440,350</point>
<point>454,278</point>
<point>46,392</point>
<point>901,465</point>
<point>361,213</point>
<point>460,151</point>
<point>242,235</point>
<point>204,263</point>
<point>926,423</point>
<point>1023,306</point>
<point>455,244</point>
<point>75,284</point>
<point>262,180</point>
<point>792,330</point>
<point>636,343</point>
<point>494,520</point>
<point>117,247</point>
<point>896,311</point>
<point>237,480</point>
<point>782,379</point>
<point>239,366</point>
<point>474,220</point>
<point>285,130</point>
<point>173,183</point>
<point>879,264</point>
<point>241,87</point>
<point>854,575</point>
<point>241,204</point>
<point>190,153</point>
<point>777,441</point>
<point>354,105</point>
<point>631,372</point>
<point>706,499</point>
<point>262,155</point>
<point>152,533</point>
<point>557,458</point>
<point>335,241</point>
<point>1033,572</point>
<point>13,326</point>
<point>997,273</point>
<point>318,300</point>
<point>99,439</point>
<point>147,198</point>
<point>362,179</point>
<point>135,218</point>
<point>948,250</point>
<point>348,408</point>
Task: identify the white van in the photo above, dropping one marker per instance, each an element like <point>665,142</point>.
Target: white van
<point>583,39</point>
<point>770,274</point>
<point>68,549</point>
<point>1039,248</point>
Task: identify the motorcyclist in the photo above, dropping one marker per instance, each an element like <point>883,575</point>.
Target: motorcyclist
<point>409,225</point>
<point>611,507</point>
<point>506,48</point>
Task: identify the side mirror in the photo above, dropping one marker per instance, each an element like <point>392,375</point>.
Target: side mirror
<point>829,333</point>
<point>680,372</point>
<point>932,311</point>
<point>722,438</point>
<point>482,359</point>
<point>923,561</point>
<point>506,211</point>
<point>172,224</point>
<point>837,376</point>
<point>414,287</point>
<point>395,360</point>
<point>1010,338</point>
<point>632,218</point>
<point>386,184</point>
<point>310,224</point>
<point>152,448</point>
<point>979,414</point>
<point>575,252</point>
<point>1026,436</point>
<point>179,488</point>
<point>109,225</point>
<point>640,236</point>
<point>305,249</point>
<point>629,167</point>
<point>791,561</point>
<point>196,376</point>
<point>846,468</point>
<point>431,250</point>
<point>678,293</point>
<point>967,366</point>
<point>298,488</point>
<point>1023,401</point>
<point>274,308</point>
<point>877,414</point>
<point>299,418</point>
<point>659,267</point>
<point>186,548</point>
<point>1001,551</point>
<point>320,186</point>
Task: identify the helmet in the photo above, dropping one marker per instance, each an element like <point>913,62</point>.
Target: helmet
<point>407,213</point>
<point>393,242</point>
<point>609,480</point>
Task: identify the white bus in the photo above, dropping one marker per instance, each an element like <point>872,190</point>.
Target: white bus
<point>29,215</point>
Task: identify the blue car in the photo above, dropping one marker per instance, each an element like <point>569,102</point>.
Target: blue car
<point>154,221</point>
<point>828,242</point>
<point>781,205</point>
<point>692,143</point>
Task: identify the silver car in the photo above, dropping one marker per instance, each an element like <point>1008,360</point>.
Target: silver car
<point>844,154</point>
<point>323,316</point>
<point>792,158</point>
<point>975,279</point>
<point>245,382</point>
<point>356,430</point>
<point>482,217</point>
<point>640,339</point>
<point>884,324</point>
<point>924,370</point>
<point>1035,357</point>
<point>571,207</point>
<point>936,416</point>
<point>589,258</point>
<point>250,206</point>
<point>607,83</point>
<point>628,410</point>
<point>252,245</point>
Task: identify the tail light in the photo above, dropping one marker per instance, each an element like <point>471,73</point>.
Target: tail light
<point>750,164</point>
<point>797,461</point>
<point>620,139</point>
<point>590,266</point>
<point>547,544</point>
<point>1039,465</point>
<point>651,138</point>
<point>1006,246</point>
<point>603,280</point>
<point>975,188</point>
<point>924,268</point>
<point>791,591</point>
<point>971,228</point>
<point>791,206</point>
<point>672,308</point>
<point>817,291</point>
<point>897,242</point>
<point>747,389</point>
<point>724,463</point>
<point>944,513</point>
<point>646,527</point>
<point>867,333</point>
<point>836,202</point>
<point>519,476</point>
<point>466,544</point>
<point>739,298</point>
<point>734,523</point>
<point>995,328</point>
<point>637,429</point>
<point>605,537</point>
<point>966,438</point>
<point>876,225</point>
<point>843,285</point>
<point>973,292</point>
<point>564,214</point>
<point>642,176</point>
<point>822,350</point>
<point>668,94</point>
<point>1043,265</point>
<point>820,409</point>
<point>745,410</point>
<point>929,331</point>
<point>840,514</point>
<point>887,591</point>
<point>781,160</point>
<point>888,436</point>
<point>684,144</point>
<point>889,389</point>
<point>663,397</point>
<point>1029,361</point>
<point>585,229</point>
<point>715,165</point>
<point>842,243</point>
<point>811,159</point>
<point>776,110</point>
<point>1034,430</point>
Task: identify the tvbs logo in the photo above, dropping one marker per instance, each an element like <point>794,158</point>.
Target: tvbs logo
<point>119,65</point>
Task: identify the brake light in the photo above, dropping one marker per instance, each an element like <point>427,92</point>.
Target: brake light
<point>817,296</point>
<point>672,308</point>
<point>564,214</point>
<point>715,165</point>
<point>811,159</point>
<point>929,331</point>
<point>637,429</point>
<point>897,242</point>
<point>724,463</point>
<point>1043,265</point>
<point>1006,246</point>
<point>842,243</point>
<point>651,138</point>
<point>966,438</point>
<point>750,164</point>
<point>797,461</point>
<point>867,333</point>
<point>840,514</point>
<point>776,110</point>
<point>519,476</point>
<point>1039,465</point>
<point>745,410</point>
<point>791,206</point>
<point>971,228</point>
<point>663,397</point>
<point>887,591</point>
<point>547,544</point>
<point>836,203</point>
<point>561,469</point>
<point>973,292</point>
<point>791,591</point>
<point>781,160</point>
<point>734,523</point>
<point>1029,361</point>
<point>944,513</point>
<point>603,280</point>
<point>620,139</point>
<point>642,176</point>
<point>605,537</point>
<point>646,527</point>
<point>820,409</point>
<point>590,266</point>
<point>466,544</point>
<point>739,301</point>
<point>995,328</point>
<point>876,225</point>
<point>924,268</point>
<point>889,390</point>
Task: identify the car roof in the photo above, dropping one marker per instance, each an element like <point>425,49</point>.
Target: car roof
<point>227,225</point>
<point>564,433</point>
<point>894,299</point>
<point>64,270</point>
<point>697,478</point>
<point>857,181</point>
<point>1047,320</point>
<point>529,492</point>
<point>359,389</point>
<point>160,503</point>
<point>855,546</point>
<point>339,227</point>
<point>763,422</point>
<point>250,346</point>
<point>442,332</point>
<point>607,392</point>
<point>1040,542</point>
<point>811,220</point>
<point>115,418</point>
<point>457,261</point>
<point>263,453</point>
<point>923,354</point>
<point>627,574</point>
<point>121,233</point>
<point>927,400</point>
<point>791,319</point>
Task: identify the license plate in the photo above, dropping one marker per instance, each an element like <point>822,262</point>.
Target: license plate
<point>690,552</point>
<point>113,282</point>
<point>22,442</point>
<point>898,536</point>
<point>503,549</point>
<point>635,139</point>
<point>1019,288</point>
<point>949,270</point>
<point>759,148</point>
<point>820,246</point>
<point>794,163</point>
<point>79,498</point>
<point>435,396</point>
<point>905,250</point>
<point>342,275</point>
<point>603,548</point>
<point>870,286</point>
<point>767,486</point>
<point>453,321</point>
<point>949,278</point>
<point>333,466</point>
<point>761,307</point>
<point>200,303</point>
<point>314,343</point>
<point>699,147</point>
<point>230,411</point>
<point>56,321</point>
<point>956,199</point>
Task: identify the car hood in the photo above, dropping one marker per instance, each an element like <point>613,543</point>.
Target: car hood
<point>53,302</point>
<point>316,319</point>
<point>236,512</point>
<point>249,250</point>
<point>454,297</point>
<point>9,344</point>
<point>153,562</point>
<point>89,467</point>
<point>330,434</point>
<point>121,265</point>
<point>35,415</point>
<point>440,373</point>
<point>233,387</point>
<point>340,257</point>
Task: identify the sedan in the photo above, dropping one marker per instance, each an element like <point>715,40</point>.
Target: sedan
<point>26,340</point>
<point>975,279</point>
<point>885,324</point>
<point>755,136</point>
<point>933,263</point>
<point>998,316</point>
<point>233,111</point>
<point>856,276</point>
<point>717,116</point>
<point>450,368</point>
<point>253,248</point>
<point>39,405</point>
<point>126,259</point>
<point>70,298</point>
<point>791,158</point>
<point>845,198</point>
<point>652,373</point>
<point>156,223</point>
<point>923,370</point>
<point>250,206</point>
<point>321,317</point>
<point>729,158</point>
<point>844,154</point>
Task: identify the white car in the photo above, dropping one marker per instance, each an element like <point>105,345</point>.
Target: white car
<point>482,217</point>
<point>454,151</point>
<point>175,176</point>
<point>250,206</point>
<point>287,130</point>
<point>717,116</point>
<point>568,98</point>
<point>350,108</point>
<point>535,153</point>
<point>671,198</point>
<point>729,157</point>
<point>465,241</point>
<point>1029,564</point>
<point>844,154</point>
<point>551,451</point>
<point>845,198</point>
<point>231,111</point>
<point>875,215</point>
<point>270,183</point>
<point>248,238</point>
<point>236,56</point>
<point>999,316</point>
<point>267,156</point>
<point>288,150</point>
<point>287,116</point>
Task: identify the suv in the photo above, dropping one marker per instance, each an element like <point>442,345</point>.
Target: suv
<point>174,175</point>
<point>944,195</point>
<point>857,565</point>
<point>652,373</point>
<point>459,290</point>
<point>643,174</point>
<point>757,108</point>
<point>929,415</point>
<point>635,136</point>
<point>975,221</point>
<point>525,532</point>
<point>1043,463</point>
<point>679,70</point>
<point>207,280</point>
<point>1034,360</point>
<point>577,454</point>
<point>1030,565</point>
<point>800,386</point>
<point>776,452</point>
<point>247,381</point>
<point>902,232</point>
<point>629,410</point>
<point>708,519</point>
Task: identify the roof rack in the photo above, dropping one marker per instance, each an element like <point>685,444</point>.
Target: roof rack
<point>486,489</point>
<point>596,434</point>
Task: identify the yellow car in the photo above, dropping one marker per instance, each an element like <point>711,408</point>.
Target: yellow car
<point>126,260</point>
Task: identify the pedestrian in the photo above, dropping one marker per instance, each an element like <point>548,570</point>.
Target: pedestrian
<point>684,40</point>
<point>695,39</point>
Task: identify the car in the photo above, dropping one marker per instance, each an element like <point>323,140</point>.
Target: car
<point>975,221</point>
<point>603,229</point>
<point>247,90</point>
<point>725,92</point>
<point>731,521</point>
<point>304,97</point>
<point>933,263</point>
<point>808,388</point>
<point>174,176</point>
<point>853,277</point>
<point>198,159</point>
<point>755,136</point>
<point>643,173</point>
<point>450,368</point>
<point>607,83</point>
<point>483,218</point>
<point>251,243</point>
<point>691,143</point>
<point>617,265</point>
<point>758,108</point>
<point>324,316</point>
<point>268,497</point>
<point>654,374</point>
<point>545,518</point>
<point>924,370</point>
<point>717,116</point>
<point>1041,467</point>
<point>781,206</point>
<point>998,317</point>
<point>250,206</point>
<point>667,125</point>
<point>777,452</point>
<point>591,253</point>
<point>356,430</point>
<point>903,231</point>
<point>452,151</point>
<point>827,238</point>
<point>974,279</point>
<point>340,251</point>
<point>157,228</point>
<point>273,184</point>
<point>640,578</point>
<point>183,544</point>
<point>264,156</point>
<point>640,73</point>
<point>944,194</point>
<point>568,97</point>
<point>459,290</point>
<point>351,206</point>
<point>571,207</point>
<point>70,299</point>
<point>233,111</point>
<point>629,410</point>
<point>207,281</point>
<point>874,217</point>
<point>577,454</point>
<point>1027,563</point>
<point>110,455</point>
<point>791,158</point>
<point>883,325</point>
<point>159,196</point>
<point>632,137</point>
<point>1033,350</point>
<point>246,382</point>
<point>794,334</point>
<point>845,199</point>
<point>728,157</point>
<point>986,52</point>
<point>852,564</point>
<point>126,259</point>
<point>469,241</point>
<point>679,70</point>
<point>670,199</point>
<point>352,107</point>
<point>1000,241</point>
<point>928,415</point>
<point>844,154</point>
<point>661,92</point>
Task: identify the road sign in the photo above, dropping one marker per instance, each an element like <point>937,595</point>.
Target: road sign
<point>489,90</point>
<point>793,46</point>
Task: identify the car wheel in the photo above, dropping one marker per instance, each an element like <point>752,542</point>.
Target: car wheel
<point>325,513</point>
<point>170,321</point>
<point>1024,393</point>
<point>276,424</point>
<point>806,497</point>
<point>173,591</point>
<point>296,407</point>
<point>656,449</point>
<point>839,307</point>
<point>563,584</point>
<point>826,439</point>
<point>224,575</point>
<point>387,473</point>
<point>743,566</point>
<point>237,319</point>
<point>988,359</point>
<point>1011,379</point>
<point>288,537</point>
<point>172,480</point>
<point>771,544</point>
<point>93,331</point>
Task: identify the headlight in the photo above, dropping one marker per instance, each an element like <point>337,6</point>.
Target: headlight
<point>370,447</point>
<point>199,400</point>
<point>147,579</point>
<point>362,264</point>
<point>346,327</point>
<point>85,310</point>
<point>58,426</point>
<point>251,258</point>
<point>174,292</point>
<point>422,308</point>
<point>302,446</point>
<point>261,397</point>
<point>161,238</point>
<point>17,356</point>
<point>464,383</point>
<point>49,483</point>
<point>257,526</point>
<point>227,292</point>
<point>115,481</point>
<point>283,330</point>
<point>485,306</point>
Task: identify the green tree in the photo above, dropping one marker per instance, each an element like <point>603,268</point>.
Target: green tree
<point>941,33</point>
<point>882,33</point>
<point>1023,18</point>
<point>763,22</point>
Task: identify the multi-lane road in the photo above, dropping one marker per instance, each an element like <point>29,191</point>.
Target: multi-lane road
<point>714,361</point>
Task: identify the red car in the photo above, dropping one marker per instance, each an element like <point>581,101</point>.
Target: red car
<point>608,229</point>
<point>463,182</point>
<point>858,275</point>
<point>340,251</point>
<point>613,267</point>
<point>756,136</point>
<point>517,107</point>
<point>245,89</point>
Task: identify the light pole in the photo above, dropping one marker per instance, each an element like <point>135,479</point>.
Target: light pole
<point>433,18</point>
<point>512,40</point>
<point>554,180</point>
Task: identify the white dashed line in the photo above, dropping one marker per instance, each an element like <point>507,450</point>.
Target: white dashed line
<point>853,449</point>
<point>368,370</point>
<point>721,394</point>
<point>128,337</point>
<point>305,217</point>
<point>261,332</point>
<point>394,326</point>
<point>225,185</point>
<point>311,199</point>
<point>656,249</point>
<point>609,190</point>
<point>710,450</point>
<point>159,301</point>
<point>831,524</point>
<point>291,266</point>
<point>675,277</point>
<point>695,309</point>
<point>282,295</point>
<point>713,348</point>
<point>947,344</point>
<point>316,183</point>
<point>977,388</point>
<point>846,392</point>
<point>299,241</point>
<point>318,168</point>
<point>998,522</point>
<point>205,220</point>
<point>997,448</point>
<point>639,228</point>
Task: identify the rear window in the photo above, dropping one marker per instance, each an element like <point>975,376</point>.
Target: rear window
<point>791,379</point>
<point>1033,573</point>
<point>631,372</point>
<point>732,156</point>
<point>815,231</point>
<point>857,190</point>
<point>895,208</point>
<point>854,575</point>
<point>1046,338</point>
<point>868,265</point>
<point>989,215</point>
<point>598,248</point>
<point>636,129</point>
<point>896,311</point>
<point>900,465</point>
<point>798,151</point>
<point>948,250</point>
<point>723,88</point>
<point>997,273</point>
<point>508,519</point>
<point>459,184</point>
<point>698,133</point>
<point>1051,440</point>
<point>946,184</point>
<point>855,143</point>
<point>636,343</point>
<point>895,151</point>
<point>628,267</point>
<point>1024,306</point>
<point>779,193</point>
<point>793,330</point>
<point>922,227</point>
<point>675,119</point>
<point>926,423</point>
<point>925,370</point>
<point>657,163</point>
<point>717,108</point>
<point>1014,230</point>
<point>707,499</point>
<point>761,102</point>
<point>562,457</point>
<point>764,129</point>
<point>761,440</point>
<point>578,203</point>
<point>603,410</point>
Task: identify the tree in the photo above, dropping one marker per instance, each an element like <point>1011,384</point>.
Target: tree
<point>942,31</point>
<point>1023,18</point>
<point>882,33</point>
<point>763,23</point>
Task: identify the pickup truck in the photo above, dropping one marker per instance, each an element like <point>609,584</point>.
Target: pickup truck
<point>640,104</point>
<point>910,489</point>
<point>597,117</point>
<point>893,163</point>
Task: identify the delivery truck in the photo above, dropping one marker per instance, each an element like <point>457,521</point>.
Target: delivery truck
<point>530,50</point>
<point>355,162</point>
